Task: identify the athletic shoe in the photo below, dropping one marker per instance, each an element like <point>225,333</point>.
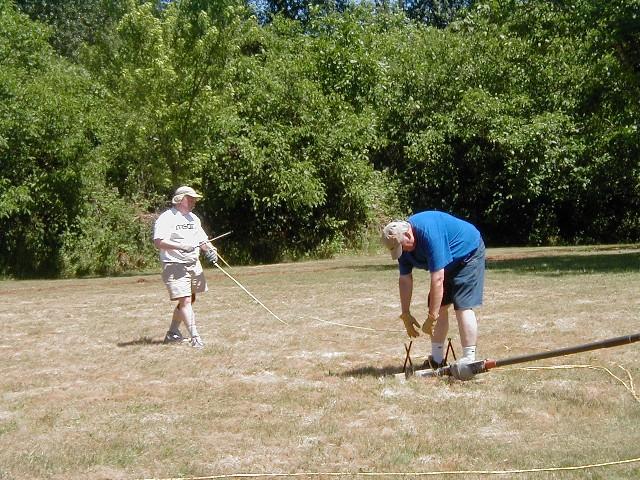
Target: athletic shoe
<point>196,342</point>
<point>172,338</point>
<point>432,364</point>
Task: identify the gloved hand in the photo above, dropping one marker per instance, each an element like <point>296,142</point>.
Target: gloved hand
<point>409,324</point>
<point>429,324</point>
<point>212,255</point>
<point>186,248</point>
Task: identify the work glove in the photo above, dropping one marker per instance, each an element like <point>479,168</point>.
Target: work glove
<point>212,255</point>
<point>409,324</point>
<point>429,324</point>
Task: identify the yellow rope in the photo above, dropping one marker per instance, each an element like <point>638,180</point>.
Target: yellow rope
<point>404,474</point>
<point>223,260</point>
<point>357,327</point>
<point>629,386</point>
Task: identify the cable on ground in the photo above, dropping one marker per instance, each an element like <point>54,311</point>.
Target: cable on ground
<point>629,385</point>
<point>405,474</point>
<point>357,327</point>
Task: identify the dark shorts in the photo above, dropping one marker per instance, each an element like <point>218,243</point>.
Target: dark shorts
<point>464,281</point>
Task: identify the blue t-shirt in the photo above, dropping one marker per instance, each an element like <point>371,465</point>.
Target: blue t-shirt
<point>441,240</point>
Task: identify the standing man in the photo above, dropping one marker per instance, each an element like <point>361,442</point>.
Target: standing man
<point>179,236</point>
<point>453,251</point>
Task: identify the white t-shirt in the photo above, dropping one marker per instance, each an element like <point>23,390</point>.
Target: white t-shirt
<point>173,225</point>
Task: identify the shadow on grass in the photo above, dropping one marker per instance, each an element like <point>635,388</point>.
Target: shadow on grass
<point>147,341</point>
<point>372,371</point>
<point>569,264</point>
<point>377,267</point>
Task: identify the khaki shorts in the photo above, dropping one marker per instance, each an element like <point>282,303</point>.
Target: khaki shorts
<point>183,279</point>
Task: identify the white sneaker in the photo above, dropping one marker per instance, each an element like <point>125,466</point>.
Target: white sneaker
<point>196,342</point>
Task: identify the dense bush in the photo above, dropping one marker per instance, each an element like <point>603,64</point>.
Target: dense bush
<point>511,117</point>
<point>51,119</point>
<point>307,131</point>
<point>291,174</point>
<point>43,133</point>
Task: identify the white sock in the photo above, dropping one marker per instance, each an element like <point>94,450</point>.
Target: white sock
<point>437,351</point>
<point>193,330</point>
<point>469,353</point>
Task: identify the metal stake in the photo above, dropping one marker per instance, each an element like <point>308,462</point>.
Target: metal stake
<point>219,236</point>
<point>449,348</point>
<point>482,366</point>
<point>407,359</point>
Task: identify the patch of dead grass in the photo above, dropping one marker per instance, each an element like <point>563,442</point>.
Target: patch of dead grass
<point>89,391</point>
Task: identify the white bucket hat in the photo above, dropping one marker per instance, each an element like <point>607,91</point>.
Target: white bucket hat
<point>182,192</point>
<point>392,237</point>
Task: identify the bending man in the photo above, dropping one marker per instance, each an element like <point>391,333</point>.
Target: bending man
<point>453,251</point>
<point>179,236</point>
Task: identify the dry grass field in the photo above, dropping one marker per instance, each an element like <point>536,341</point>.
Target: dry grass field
<point>88,391</point>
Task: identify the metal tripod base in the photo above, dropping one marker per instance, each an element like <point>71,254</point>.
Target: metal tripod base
<point>467,370</point>
<point>408,370</point>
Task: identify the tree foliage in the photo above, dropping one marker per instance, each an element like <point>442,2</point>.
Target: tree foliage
<point>74,22</point>
<point>41,138</point>
<point>308,131</point>
<point>503,117</point>
<point>51,118</point>
<point>438,13</point>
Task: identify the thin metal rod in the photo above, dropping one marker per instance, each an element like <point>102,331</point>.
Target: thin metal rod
<point>611,342</point>
<point>407,358</point>
<point>249,293</point>
<point>482,366</point>
<point>219,236</point>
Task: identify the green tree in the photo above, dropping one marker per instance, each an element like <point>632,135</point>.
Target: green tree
<point>437,13</point>
<point>43,132</point>
<point>52,189</point>
<point>163,73</point>
<point>75,22</point>
<point>291,172</point>
<point>516,117</point>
